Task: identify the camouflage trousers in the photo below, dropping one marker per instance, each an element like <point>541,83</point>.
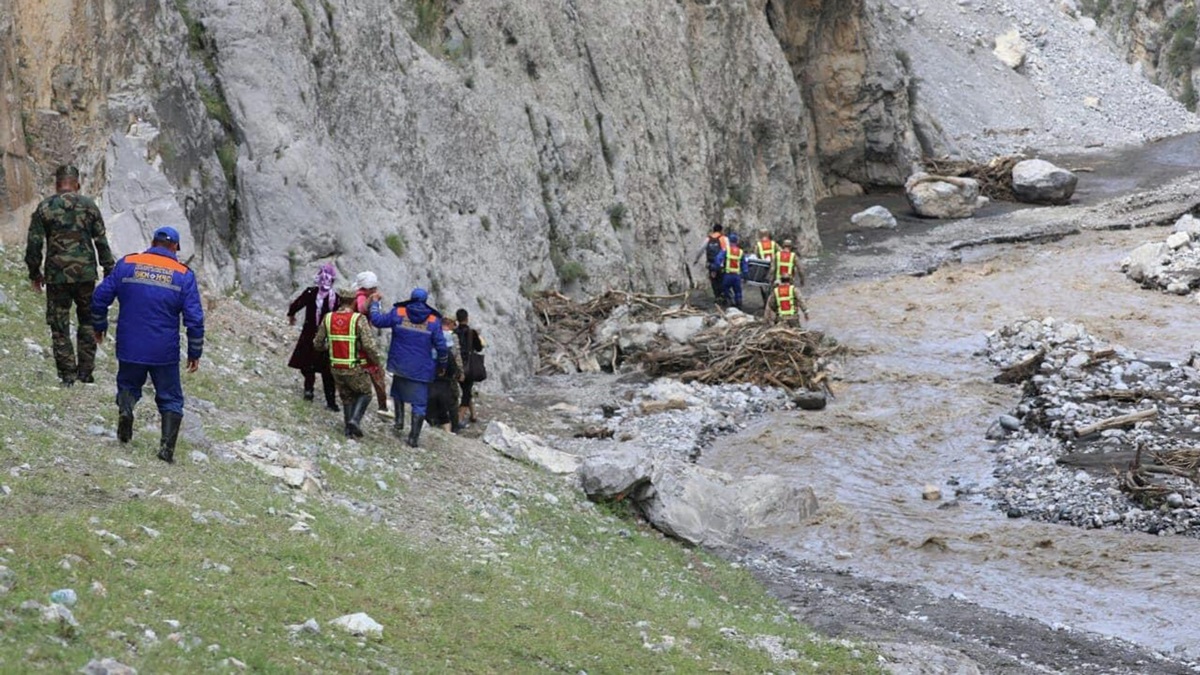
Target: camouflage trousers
<point>352,383</point>
<point>58,315</point>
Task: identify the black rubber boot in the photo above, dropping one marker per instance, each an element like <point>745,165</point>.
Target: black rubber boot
<point>414,435</point>
<point>398,423</point>
<point>348,420</point>
<point>170,433</point>
<point>358,409</point>
<point>125,403</point>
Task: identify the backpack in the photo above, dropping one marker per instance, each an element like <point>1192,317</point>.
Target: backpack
<point>712,249</point>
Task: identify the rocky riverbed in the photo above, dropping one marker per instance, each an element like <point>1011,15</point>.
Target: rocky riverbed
<point>1054,463</point>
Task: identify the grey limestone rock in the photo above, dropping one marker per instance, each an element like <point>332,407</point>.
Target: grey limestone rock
<point>1040,182</point>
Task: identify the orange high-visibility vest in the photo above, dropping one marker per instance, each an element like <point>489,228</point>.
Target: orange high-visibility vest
<point>766,248</point>
<point>344,349</point>
<point>784,265</point>
<point>733,259</point>
<point>785,299</point>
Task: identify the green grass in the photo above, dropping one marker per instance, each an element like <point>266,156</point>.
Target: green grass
<point>306,16</point>
<point>430,14</point>
<point>566,588</point>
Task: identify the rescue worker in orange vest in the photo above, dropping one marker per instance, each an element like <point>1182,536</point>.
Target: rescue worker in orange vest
<point>786,303</point>
<point>348,337</point>
<point>787,264</point>
<point>765,248</point>
<point>733,268</point>
<point>714,244</point>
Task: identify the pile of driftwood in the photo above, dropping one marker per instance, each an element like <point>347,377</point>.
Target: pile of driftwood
<point>751,352</point>
<point>567,328</point>
<point>1136,480</point>
<point>995,177</point>
<point>742,350</point>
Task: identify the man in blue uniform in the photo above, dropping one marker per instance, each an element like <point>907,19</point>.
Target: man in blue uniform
<point>153,289</point>
<point>418,352</point>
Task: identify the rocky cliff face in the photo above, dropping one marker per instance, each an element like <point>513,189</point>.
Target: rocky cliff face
<point>485,150</point>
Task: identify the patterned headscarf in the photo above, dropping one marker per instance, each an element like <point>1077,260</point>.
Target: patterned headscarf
<point>325,295</point>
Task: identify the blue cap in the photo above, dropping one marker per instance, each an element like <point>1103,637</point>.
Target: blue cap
<point>419,294</point>
<point>166,233</point>
<point>733,237</point>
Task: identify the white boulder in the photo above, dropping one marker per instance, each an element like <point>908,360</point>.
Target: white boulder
<point>526,448</point>
<point>943,196</point>
<point>1037,181</point>
<point>359,624</point>
<point>874,218</point>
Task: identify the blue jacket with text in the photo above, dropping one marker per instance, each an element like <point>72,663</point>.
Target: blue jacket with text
<point>153,290</point>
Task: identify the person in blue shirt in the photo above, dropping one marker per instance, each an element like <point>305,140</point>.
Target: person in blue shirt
<point>732,265</point>
<point>153,290</point>
<point>417,354</point>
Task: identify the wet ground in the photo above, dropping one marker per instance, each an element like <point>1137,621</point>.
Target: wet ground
<point>914,400</point>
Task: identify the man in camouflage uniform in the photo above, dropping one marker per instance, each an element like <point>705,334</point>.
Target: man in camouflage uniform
<point>348,364</point>
<point>69,229</point>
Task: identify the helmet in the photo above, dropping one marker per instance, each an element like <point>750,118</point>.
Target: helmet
<point>419,295</point>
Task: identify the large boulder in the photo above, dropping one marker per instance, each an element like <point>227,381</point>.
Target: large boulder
<point>1039,182</point>
<point>612,475</point>
<point>707,507</point>
<point>874,218</point>
<point>512,443</point>
<point>1189,225</point>
<point>1145,263</point>
<point>943,196</point>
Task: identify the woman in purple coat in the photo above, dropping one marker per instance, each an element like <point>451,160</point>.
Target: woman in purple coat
<point>316,301</point>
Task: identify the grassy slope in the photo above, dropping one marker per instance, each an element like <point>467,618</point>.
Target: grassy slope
<point>466,562</point>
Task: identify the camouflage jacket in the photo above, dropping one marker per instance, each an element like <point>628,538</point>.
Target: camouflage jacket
<point>69,228</point>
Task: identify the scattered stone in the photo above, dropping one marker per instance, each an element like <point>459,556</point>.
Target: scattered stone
<point>1178,240</point>
<point>8,580</point>
<point>231,662</point>
<point>99,590</point>
<point>301,527</point>
<point>1011,423</point>
<point>1039,182</point>
<point>30,607</point>
<point>56,613</point>
<point>874,218</point>
<point>65,597</point>
<point>550,499</point>
<point>124,463</point>
<point>1011,48</point>
<point>310,626</point>
<point>931,492</point>
<point>198,457</point>
<point>107,666</point>
<point>359,624</point>
<point>806,399</point>
<point>150,532</point>
<point>96,430</point>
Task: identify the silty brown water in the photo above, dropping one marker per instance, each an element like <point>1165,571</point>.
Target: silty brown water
<point>912,407</point>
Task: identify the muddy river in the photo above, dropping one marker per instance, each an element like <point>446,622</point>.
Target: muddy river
<point>915,397</point>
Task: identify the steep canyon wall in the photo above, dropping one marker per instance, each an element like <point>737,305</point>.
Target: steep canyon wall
<point>488,150</point>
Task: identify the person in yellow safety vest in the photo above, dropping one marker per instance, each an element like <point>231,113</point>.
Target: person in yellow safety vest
<point>786,303</point>
<point>733,268</point>
<point>787,263</point>
<point>350,341</point>
<point>765,248</point>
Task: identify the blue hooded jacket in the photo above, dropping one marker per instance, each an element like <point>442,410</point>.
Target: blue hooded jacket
<point>153,289</point>
<point>416,336</point>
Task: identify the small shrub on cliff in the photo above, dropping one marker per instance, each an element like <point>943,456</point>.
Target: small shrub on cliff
<point>572,271</point>
<point>396,243</point>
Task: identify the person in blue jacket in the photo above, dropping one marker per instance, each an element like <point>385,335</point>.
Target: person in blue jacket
<point>418,352</point>
<point>153,289</point>
<point>732,265</point>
